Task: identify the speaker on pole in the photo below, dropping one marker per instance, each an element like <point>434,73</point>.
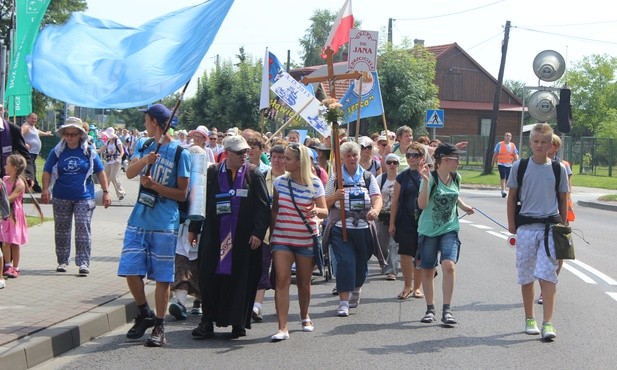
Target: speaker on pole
<point>549,65</point>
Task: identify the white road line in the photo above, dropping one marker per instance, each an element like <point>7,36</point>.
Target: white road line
<point>599,274</point>
<point>481,227</point>
<point>464,221</point>
<point>581,275</point>
<point>499,235</point>
<point>612,295</point>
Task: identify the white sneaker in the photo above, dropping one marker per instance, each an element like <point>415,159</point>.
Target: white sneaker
<point>343,311</point>
<point>2,284</point>
<point>279,336</point>
<point>61,267</point>
<point>307,325</point>
<point>354,299</point>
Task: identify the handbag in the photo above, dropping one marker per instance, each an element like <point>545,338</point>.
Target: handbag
<point>562,238</point>
<point>317,248</point>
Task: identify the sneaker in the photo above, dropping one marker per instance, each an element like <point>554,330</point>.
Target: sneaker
<point>334,291</point>
<point>204,330</point>
<point>429,317</point>
<point>531,327</point>
<point>196,310</point>
<point>84,270</point>
<point>2,284</point>
<point>343,311</point>
<point>11,273</point>
<point>307,325</point>
<point>540,299</point>
<point>61,267</point>
<point>178,311</point>
<point>548,331</point>
<point>279,336</point>
<point>448,318</point>
<point>142,323</point>
<point>391,277</point>
<point>121,197</point>
<point>354,299</point>
<point>504,194</point>
<point>157,338</point>
<point>256,315</point>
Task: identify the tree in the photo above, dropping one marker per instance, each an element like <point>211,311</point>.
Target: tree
<point>594,94</point>
<point>406,78</point>
<point>315,38</point>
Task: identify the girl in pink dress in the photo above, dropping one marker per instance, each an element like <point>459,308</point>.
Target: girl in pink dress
<point>14,232</point>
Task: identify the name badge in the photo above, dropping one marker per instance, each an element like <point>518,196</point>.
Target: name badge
<point>243,193</point>
<point>356,201</point>
<point>223,204</point>
<point>7,149</point>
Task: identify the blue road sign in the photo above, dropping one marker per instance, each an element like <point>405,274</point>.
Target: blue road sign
<point>434,118</point>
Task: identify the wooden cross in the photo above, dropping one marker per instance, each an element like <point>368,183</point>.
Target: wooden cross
<point>331,78</point>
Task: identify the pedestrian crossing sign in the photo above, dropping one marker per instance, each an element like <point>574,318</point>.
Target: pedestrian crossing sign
<point>434,118</point>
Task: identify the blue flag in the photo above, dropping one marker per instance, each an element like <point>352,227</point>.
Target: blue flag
<point>98,63</point>
<point>371,100</point>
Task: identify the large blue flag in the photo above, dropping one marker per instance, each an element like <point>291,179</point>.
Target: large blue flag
<point>98,63</point>
<point>371,100</point>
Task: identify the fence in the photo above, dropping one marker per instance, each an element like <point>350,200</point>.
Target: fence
<point>593,156</point>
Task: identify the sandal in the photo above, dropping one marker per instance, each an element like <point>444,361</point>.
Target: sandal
<point>404,294</point>
<point>307,325</point>
<point>418,294</point>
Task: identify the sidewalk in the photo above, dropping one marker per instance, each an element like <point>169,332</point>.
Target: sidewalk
<point>44,313</point>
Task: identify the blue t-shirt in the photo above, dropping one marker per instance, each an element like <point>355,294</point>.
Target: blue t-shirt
<point>73,166</point>
<point>164,215</point>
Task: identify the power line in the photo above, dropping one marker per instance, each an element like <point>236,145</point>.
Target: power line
<point>576,24</point>
<point>449,14</point>
<point>568,36</point>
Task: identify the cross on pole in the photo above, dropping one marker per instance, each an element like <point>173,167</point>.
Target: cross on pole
<point>331,78</point>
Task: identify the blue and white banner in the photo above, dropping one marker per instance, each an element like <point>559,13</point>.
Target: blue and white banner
<point>371,99</point>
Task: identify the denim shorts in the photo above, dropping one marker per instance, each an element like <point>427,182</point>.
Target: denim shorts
<point>148,253</point>
<point>447,245</point>
<point>301,251</point>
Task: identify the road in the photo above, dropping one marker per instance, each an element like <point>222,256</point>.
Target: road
<point>386,333</point>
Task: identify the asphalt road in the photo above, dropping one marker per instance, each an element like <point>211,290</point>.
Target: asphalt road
<point>386,333</point>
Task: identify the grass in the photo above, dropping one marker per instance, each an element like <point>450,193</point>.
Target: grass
<point>609,198</point>
<point>35,220</point>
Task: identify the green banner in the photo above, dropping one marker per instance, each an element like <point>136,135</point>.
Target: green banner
<point>18,89</point>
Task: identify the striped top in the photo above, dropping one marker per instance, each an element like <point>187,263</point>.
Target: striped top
<point>289,229</point>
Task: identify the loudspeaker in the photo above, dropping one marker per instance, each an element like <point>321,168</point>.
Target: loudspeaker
<point>564,111</point>
<point>542,105</point>
<point>549,65</point>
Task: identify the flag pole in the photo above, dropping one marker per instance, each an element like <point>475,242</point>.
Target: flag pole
<point>385,127</point>
<point>359,109</point>
<point>289,121</point>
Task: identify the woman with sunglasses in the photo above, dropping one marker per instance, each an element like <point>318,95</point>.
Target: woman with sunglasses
<point>69,169</point>
<point>298,200</point>
<point>438,228</point>
<point>404,219</point>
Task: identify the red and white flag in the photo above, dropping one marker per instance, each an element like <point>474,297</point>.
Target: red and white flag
<point>339,34</point>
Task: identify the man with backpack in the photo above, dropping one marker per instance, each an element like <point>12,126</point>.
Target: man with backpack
<point>541,189</point>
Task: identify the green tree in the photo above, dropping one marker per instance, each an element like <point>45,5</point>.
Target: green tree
<point>315,37</point>
<point>594,94</point>
<point>406,78</point>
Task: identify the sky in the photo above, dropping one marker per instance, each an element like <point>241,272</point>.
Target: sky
<point>574,29</point>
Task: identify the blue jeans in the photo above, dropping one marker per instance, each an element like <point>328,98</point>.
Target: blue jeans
<point>351,257</point>
<point>447,245</point>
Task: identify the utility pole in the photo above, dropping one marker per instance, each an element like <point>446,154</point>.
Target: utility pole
<point>488,159</point>
<point>390,30</point>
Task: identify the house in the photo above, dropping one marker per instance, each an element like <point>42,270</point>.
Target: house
<point>466,93</point>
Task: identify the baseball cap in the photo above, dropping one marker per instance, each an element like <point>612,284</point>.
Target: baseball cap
<point>235,143</point>
<point>394,157</point>
<point>159,112</point>
<point>365,141</point>
<point>446,149</point>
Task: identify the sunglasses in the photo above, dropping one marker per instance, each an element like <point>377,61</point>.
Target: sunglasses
<point>213,138</point>
<point>392,162</point>
<point>240,152</point>
<point>71,134</point>
<point>294,146</point>
<point>412,155</point>
<point>383,144</point>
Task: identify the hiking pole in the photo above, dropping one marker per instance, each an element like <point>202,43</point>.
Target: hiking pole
<point>168,125</point>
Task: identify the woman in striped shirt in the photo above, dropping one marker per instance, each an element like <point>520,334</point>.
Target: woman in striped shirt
<point>291,240</point>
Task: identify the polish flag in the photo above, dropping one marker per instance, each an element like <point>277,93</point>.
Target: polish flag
<point>339,34</point>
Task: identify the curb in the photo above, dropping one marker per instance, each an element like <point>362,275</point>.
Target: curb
<point>597,205</point>
<point>33,350</point>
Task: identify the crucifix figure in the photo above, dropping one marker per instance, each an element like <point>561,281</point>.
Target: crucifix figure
<point>331,78</point>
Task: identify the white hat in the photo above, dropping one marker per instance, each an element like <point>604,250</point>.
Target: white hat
<point>110,133</point>
<point>382,138</point>
<point>232,131</point>
<point>235,143</point>
<point>73,122</point>
<point>365,141</point>
<point>202,130</point>
<point>393,156</point>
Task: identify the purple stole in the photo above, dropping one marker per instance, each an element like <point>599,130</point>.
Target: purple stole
<point>228,222</point>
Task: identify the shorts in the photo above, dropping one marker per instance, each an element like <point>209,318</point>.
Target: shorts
<point>186,276</point>
<point>148,253</point>
<point>532,263</point>
<point>446,245</point>
<point>300,251</point>
<point>408,241</point>
<point>504,171</point>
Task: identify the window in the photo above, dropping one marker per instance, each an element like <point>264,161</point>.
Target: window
<point>485,126</point>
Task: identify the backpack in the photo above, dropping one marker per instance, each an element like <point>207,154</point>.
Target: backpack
<point>522,167</point>
<point>454,176</point>
<point>183,206</point>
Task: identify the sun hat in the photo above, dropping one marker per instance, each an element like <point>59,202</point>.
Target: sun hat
<point>72,122</point>
<point>393,156</point>
<point>365,141</point>
<point>110,133</point>
<point>202,130</point>
<point>159,112</point>
<point>235,143</point>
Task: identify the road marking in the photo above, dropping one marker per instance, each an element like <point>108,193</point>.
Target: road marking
<point>599,274</point>
<point>482,227</point>
<point>578,273</point>
<point>612,295</point>
<point>499,235</point>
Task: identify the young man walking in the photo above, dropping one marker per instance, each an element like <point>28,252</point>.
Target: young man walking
<point>505,154</point>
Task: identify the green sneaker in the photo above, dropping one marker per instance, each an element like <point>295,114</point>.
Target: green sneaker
<point>531,327</point>
<point>548,331</point>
